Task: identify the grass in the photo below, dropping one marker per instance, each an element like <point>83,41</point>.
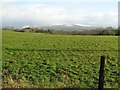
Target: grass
<point>58,61</point>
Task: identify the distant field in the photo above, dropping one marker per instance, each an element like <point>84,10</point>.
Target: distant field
<point>57,61</point>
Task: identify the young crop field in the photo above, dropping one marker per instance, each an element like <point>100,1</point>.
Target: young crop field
<point>57,61</point>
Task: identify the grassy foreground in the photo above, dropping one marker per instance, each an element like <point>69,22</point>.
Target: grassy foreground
<point>57,61</point>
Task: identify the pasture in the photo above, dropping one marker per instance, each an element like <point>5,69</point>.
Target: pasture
<point>57,61</point>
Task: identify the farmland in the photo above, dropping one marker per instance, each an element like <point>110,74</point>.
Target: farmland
<point>58,61</point>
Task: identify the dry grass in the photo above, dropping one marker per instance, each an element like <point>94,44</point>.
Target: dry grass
<point>8,82</point>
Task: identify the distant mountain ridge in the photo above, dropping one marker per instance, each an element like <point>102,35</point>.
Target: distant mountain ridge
<point>70,27</point>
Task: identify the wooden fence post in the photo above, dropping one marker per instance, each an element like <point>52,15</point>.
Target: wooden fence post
<point>101,73</point>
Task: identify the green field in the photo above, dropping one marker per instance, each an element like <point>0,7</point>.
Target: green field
<point>57,61</point>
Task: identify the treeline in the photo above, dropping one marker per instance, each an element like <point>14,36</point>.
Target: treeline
<point>97,31</point>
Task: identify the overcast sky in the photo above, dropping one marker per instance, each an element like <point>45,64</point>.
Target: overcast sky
<point>50,12</point>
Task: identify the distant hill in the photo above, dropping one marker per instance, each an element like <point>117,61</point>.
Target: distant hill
<point>70,27</point>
